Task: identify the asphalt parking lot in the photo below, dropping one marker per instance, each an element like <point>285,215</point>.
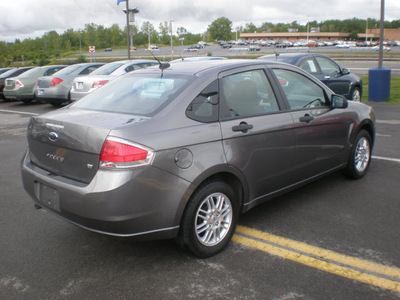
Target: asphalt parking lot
<point>333,239</point>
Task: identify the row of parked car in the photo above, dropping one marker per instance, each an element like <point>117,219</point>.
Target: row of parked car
<point>60,84</point>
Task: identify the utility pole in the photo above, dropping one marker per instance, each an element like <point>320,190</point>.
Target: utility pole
<point>382,34</point>
<point>172,45</point>
<point>127,30</point>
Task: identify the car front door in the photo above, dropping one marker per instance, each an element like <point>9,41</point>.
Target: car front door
<point>321,132</point>
<point>258,135</point>
<point>331,75</point>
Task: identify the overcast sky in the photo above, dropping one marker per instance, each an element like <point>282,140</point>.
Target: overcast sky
<point>32,18</point>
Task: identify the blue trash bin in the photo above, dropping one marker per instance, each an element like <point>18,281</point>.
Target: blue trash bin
<point>379,84</point>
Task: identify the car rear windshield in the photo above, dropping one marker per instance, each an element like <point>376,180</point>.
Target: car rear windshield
<point>67,70</point>
<point>137,94</point>
<point>29,73</point>
<point>280,58</point>
<point>107,69</point>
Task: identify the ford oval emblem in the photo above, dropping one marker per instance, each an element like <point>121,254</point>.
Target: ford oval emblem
<point>53,136</point>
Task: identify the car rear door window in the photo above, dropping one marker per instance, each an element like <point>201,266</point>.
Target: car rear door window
<point>248,94</point>
<point>300,91</point>
<point>309,66</point>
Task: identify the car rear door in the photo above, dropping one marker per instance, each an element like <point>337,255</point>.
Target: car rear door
<point>258,134</point>
<point>331,75</point>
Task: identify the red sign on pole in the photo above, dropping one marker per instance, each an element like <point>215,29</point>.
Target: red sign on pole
<point>92,49</point>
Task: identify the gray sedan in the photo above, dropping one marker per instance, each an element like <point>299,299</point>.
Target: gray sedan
<point>180,151</point>
<point>83,85</point>
<point>56,89</point>
<point>23,86</point>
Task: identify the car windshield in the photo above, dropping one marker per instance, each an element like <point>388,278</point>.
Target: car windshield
<point>107,69</point>
<point>142,94</point>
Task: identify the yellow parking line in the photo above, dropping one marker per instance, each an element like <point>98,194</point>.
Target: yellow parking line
<point>326,254</point>
<point>330,267</point>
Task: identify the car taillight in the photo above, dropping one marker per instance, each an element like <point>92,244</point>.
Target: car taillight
<point>119,153</point>
<point>18,83</point>
<point>55,81</point>
<point>98,84</point>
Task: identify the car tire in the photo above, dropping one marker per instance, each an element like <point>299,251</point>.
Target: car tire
<point>360,157</point>
<point>356,94</point>
<point>209,220</point>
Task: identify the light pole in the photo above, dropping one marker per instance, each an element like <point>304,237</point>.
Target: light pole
<point>129,13</point>
<point>382,34</point>
<point>172,46</point>
<point>80,41</point>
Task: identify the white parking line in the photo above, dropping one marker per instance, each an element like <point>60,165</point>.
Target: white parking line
<point>386,158</point>
<point>18,112</point>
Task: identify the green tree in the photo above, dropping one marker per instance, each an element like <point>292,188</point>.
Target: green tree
<point>148,29</point>
<point>250,28</point>
<point>221,29</point>
<point>165,37</point>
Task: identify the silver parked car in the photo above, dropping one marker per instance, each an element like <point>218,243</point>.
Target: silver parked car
<point>23,86</point>
<point>8,74</point>
<point>55,89</point>
<point>83,85</point>
<point>180,151</point>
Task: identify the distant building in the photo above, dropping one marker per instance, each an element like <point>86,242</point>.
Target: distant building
<point>390,34</point>
<point>293,36</point>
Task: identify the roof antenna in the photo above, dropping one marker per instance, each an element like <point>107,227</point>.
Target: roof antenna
<point>162,66</point>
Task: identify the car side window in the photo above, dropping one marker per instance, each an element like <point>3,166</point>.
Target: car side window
<point>248,94</point>
<point>300,91</point>
<point>327,66</point>
<point>204,108</point>
<point>309,66</point>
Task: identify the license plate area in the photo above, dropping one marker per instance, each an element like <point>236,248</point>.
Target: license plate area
<point>79,85</point>
<point>47,196</point>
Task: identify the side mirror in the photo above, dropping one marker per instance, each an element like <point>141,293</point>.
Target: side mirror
<point>338,101</point>
<point>345,71</point>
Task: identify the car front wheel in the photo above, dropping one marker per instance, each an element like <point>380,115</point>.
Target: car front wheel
<point>209,220</point>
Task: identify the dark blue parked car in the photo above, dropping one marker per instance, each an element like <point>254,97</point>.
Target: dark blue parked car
<point>338,79</point>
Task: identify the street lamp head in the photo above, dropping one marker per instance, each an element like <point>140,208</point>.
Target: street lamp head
<point>132,10</point>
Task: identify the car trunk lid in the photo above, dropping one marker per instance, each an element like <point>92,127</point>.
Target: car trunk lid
<point>44,82</point>
<point>68,142</point>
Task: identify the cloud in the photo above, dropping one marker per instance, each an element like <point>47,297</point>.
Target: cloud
<point>27,18</point>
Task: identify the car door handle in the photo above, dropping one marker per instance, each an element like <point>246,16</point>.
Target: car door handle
<point>327,77</point>
<point>307,119</point>
<point>243,127</point>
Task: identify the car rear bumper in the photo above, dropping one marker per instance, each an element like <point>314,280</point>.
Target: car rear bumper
<point>75,96</point>
<point>18,95</point>
<point>140,201</point>
<point>52,95</point>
